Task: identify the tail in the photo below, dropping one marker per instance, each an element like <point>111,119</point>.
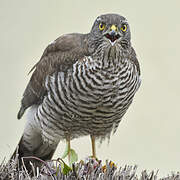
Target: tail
<point>31,145</point>
<point>26,155</point>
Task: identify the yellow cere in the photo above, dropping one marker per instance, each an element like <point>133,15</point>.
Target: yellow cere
<point>102,26</point>
<point>113,27</point>
<point>124,27</point>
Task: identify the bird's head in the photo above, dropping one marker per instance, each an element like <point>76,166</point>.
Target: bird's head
<point>111,30</point>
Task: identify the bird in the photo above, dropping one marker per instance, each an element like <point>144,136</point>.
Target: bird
<point>82,85</point>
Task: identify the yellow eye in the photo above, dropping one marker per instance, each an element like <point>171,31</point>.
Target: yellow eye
<point>101,26</point>
<point>124,27</point>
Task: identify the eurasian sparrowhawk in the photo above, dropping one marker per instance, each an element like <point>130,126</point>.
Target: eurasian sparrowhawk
<point>82,85</point>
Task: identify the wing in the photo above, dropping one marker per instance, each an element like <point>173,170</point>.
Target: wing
<point>58,56</point>
<point>134,59</point>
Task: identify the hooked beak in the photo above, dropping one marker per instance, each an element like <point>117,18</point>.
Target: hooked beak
<point>112,34</point>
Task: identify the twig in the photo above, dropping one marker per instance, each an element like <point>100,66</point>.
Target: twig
<point>25,169</point>
<point>44,162</point>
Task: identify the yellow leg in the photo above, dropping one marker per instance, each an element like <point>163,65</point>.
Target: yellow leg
<point>69,147</point>
<point>93,146</point>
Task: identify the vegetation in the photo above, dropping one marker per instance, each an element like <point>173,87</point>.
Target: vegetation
<point>90,169</point>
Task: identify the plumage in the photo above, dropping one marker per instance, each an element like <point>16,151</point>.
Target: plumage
<point>58,56</point>
<point>82,85</point>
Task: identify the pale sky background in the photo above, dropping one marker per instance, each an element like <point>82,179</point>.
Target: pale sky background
<point>149,134</point>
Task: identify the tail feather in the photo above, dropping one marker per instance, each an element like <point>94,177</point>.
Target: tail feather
<point>32,143</point>
<point>25,156</point>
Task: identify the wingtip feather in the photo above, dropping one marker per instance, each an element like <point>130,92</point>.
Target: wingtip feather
<point>20,113</point>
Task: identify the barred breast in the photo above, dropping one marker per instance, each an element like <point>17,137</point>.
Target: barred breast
<point>89,98</point>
